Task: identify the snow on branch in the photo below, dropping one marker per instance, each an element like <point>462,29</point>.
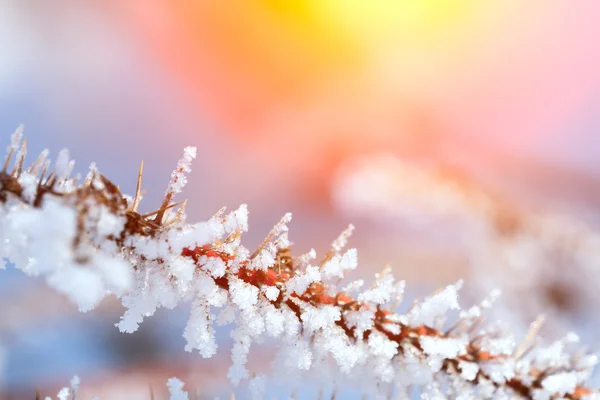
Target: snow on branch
<point>88,240</point>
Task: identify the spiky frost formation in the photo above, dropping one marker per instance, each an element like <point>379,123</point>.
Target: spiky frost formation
<point>88,240</point>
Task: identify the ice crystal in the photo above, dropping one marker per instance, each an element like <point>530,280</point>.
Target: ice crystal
<point>93,242</point>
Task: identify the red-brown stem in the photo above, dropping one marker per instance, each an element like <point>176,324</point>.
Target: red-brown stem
<point>317,295</point>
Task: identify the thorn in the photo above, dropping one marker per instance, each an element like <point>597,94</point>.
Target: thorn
<point>38,163</point>
<point>338,244</point>
<point>454,326</point>
<point>527,345</point>
<point>219,213</point>
<point>21,154</point>
<point>275,231</point>
<point>51,180</point>
<point>89,179</point>
<point>138,189</point>
<point>41,181</point>
<point>91,175</point>
<point>475,325</point>
<point>180,212</point>
<point>45,169</point>
<point>160,211</point>
<point>232,236</point>
<point>15,139</point>
<point>7,159</point>
<point>178,217</point>
<point>341,241</point>
<point>163,207</point>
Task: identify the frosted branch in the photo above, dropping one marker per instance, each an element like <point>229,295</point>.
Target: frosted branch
<point>88,241</point>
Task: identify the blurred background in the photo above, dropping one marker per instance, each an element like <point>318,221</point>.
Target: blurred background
<point>494,107</point>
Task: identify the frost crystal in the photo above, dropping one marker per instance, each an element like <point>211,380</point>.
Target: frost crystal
<point>338,265</point>
<point>184,166</point>
<point>62,169</point>
<point>561,383</point>
<point>435,306</point>
<point>271,292</point>
<point>176,389</point>
<point>63,394</point>
<point>88,241</point>
<point>445,347</point>
<point>468,370</point>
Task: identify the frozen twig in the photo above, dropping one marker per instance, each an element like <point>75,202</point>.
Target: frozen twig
<point>93,243</point>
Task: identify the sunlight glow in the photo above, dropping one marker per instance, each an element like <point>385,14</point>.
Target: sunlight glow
<point>410,18</point>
